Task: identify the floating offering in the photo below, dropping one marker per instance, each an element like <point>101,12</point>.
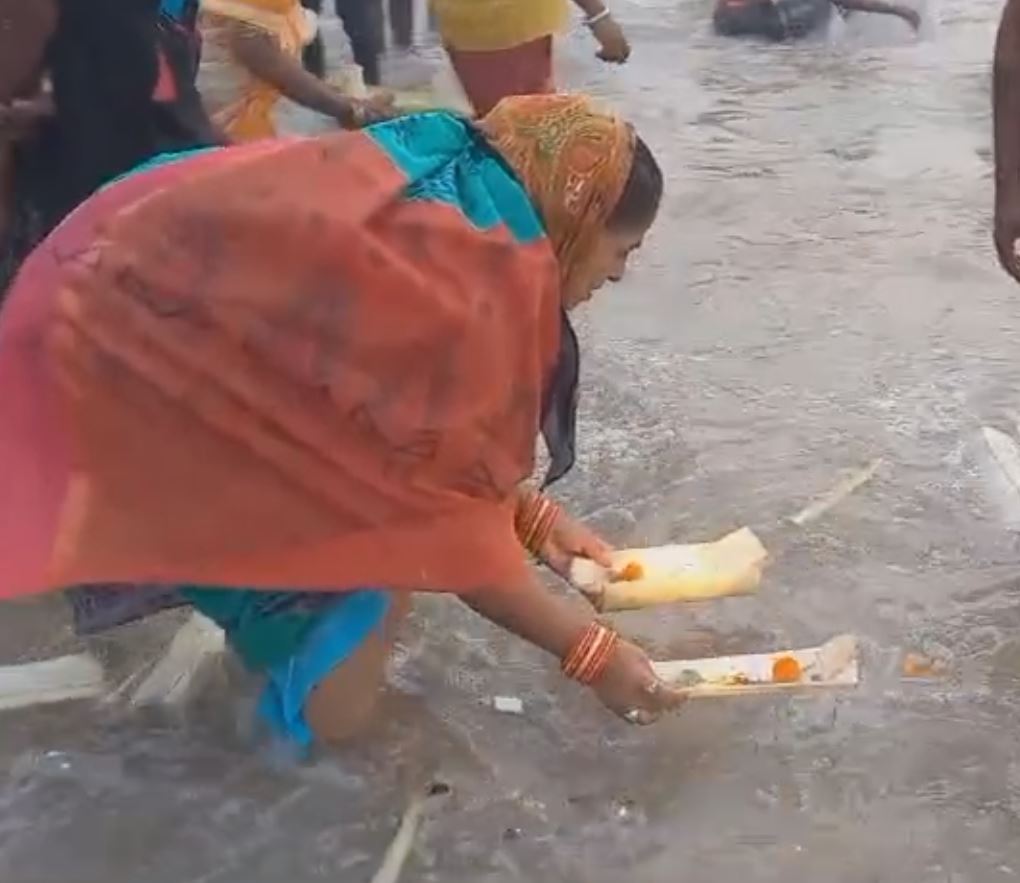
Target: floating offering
<point>644,577</point>
<point>834,664</point>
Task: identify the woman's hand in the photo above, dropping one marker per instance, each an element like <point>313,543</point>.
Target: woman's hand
<point>611,38</point>
<point>366,111</point>
<point>21,117</point>
<point>912,17</point>
<point>630,688</point>
<point>1007,229</point>
<point>571,539</point>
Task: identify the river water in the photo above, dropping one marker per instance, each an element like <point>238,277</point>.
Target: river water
<point>819,293</point>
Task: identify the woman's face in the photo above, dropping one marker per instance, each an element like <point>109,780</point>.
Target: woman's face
<point>608,263</point>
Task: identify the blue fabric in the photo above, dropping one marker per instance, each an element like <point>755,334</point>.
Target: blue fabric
<point>173,8</point>
<point>343,627</point>
<point>446,159</point>
<point>294,638</point>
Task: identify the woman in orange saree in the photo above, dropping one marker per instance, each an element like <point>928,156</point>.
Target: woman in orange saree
<point>321,365</point>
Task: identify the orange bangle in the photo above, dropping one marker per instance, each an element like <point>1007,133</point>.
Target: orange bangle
<point>524,517</point>
<point>544,526</point>
<point>599,659</point>
<point>575,656</point>
<point>534,521</point>
<point>588,659</point>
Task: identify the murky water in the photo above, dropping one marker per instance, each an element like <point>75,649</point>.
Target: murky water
<point>820,292</point>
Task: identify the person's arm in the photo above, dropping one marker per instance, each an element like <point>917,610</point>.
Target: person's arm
<point>1006,107</point>
<point>605,29</point>
<point>258,52</point>
<point>565,538</point>
<point>881,7</point>
<point>25,31</point>
<point>534,613</point>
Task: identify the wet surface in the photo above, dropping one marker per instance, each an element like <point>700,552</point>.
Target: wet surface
<point>820,292</point>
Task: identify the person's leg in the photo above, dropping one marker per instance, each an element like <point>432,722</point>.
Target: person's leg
<point>345,702</point>
<point>749,18</point>
<point>402,22</point>
<point>362,20</point>
<point>802,17</point>
<point>314,55</point>
<point>323,655</point>
<point>489,77</point>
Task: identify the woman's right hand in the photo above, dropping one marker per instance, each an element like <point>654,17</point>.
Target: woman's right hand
<point>611,38</point>
<point>630,688</point>
<point>366,111</point>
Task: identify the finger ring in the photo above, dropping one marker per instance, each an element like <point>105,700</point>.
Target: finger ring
<point>633,716</point>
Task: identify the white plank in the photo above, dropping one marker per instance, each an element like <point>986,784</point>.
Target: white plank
<point>196,643</point>
<point>51,680</point>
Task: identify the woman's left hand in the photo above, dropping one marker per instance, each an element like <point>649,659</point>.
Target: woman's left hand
<point>570,539</point>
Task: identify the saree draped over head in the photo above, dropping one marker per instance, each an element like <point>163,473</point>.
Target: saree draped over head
<point>242,104</point>
<point>317,364</point>
<point>574,160</point>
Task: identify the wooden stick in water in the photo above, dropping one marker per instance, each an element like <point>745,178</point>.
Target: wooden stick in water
<point>401,845</point>
<point>840,492</point>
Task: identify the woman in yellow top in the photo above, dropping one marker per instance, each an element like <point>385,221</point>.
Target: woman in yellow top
<point>252,57</point>
<point>504,47</point>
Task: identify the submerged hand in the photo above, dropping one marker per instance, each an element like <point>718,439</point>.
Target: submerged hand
<point>571,539</point>
<point>1007,231</point>
<point>630,688</point>
<point>611,38</point>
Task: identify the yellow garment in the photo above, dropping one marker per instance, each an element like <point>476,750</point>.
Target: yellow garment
<point>489,25</point>
<point>238,101</point>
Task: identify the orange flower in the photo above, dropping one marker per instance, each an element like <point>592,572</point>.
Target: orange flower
<point>786,670</point>
<point>632,572</point>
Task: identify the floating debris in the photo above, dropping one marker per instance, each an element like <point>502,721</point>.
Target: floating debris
<point>915,665</point>
<point>508,704</point>
<point>840,492</point>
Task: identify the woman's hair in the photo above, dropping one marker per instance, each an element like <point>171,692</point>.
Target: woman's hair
<point>642,193</point>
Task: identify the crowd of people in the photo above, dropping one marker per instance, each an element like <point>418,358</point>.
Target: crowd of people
<point>291,381</point>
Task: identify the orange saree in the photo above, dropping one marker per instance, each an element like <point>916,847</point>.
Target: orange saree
<point>315,364</point>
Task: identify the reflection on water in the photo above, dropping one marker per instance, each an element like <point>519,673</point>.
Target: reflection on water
<point>820,292</point>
